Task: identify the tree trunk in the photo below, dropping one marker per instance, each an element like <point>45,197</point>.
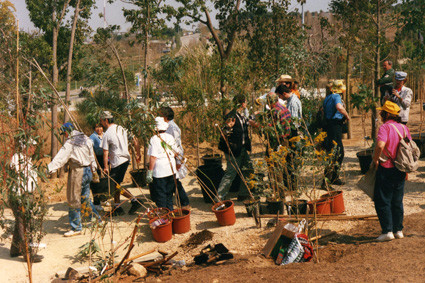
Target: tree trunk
<point>145,61</point>
<point>55,79</point>
<point>377,61</point>
<point>347,92</point>
<point>69,69</point>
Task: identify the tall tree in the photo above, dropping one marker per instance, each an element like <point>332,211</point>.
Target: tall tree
<point>229,21</point>
<point>48,15</point>
<point>146,21</point>
<point>84,7</point>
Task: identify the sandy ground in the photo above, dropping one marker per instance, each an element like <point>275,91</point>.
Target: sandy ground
<point>243,238</point>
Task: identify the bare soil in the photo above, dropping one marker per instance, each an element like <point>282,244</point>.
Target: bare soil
<point>352,254</point>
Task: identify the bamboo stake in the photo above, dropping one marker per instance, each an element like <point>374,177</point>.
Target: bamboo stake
<point>322,236</point>
<point>17,74</point>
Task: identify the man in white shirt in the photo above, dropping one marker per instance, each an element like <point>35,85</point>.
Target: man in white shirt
<point>116,154</point>
<point>78,152</point>
<point>168,114</point>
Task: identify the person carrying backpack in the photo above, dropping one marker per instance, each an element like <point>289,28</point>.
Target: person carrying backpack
<point>390,177</point>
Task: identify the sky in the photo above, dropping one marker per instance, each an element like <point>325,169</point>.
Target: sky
<point>114,14</point>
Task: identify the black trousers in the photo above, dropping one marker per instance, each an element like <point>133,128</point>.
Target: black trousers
<point>334,134</point>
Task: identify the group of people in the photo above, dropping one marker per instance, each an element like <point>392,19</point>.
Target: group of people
<point>284,104</point>
<point>107,153</point>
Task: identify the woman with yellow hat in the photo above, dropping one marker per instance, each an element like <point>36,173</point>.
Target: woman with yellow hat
<point>389,183</point>
<point>335,115</point>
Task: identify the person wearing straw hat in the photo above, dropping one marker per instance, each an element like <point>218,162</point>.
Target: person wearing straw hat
<point>77,151</point>
<point>389,182</point>
<point>161,176</point>
<point>401,95</point>
<point>117,156</point>
<point>335,114</point>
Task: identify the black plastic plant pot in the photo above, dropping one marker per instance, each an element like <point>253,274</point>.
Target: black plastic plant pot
<point>139,176</point>
<point>420,142</point>
<point>296,207</point>
<point>212,159</point>
<point>251,206</point>
<point>365,159</point>
<point>274,206</point>
<point>103,190</point>
<point>209,178</point>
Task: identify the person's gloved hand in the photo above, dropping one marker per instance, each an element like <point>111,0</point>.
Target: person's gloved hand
<point>149,176</point>
<point>95,178</point>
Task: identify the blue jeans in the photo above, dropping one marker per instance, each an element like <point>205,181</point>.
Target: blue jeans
<point>87,208</point>
<point>388,198</point>
<point>242,161</point>
<point>161,190</point>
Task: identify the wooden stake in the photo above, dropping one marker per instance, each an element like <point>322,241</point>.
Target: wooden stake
<point>17,72</point>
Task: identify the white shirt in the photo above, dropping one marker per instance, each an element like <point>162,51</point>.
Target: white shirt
<point>23,164</point>
<point>164,155</point>
<point>115,140</point>
<point>406,95</point>
<point>175,131</point>
<point>78,148</point>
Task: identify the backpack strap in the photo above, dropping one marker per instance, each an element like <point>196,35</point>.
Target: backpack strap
<point>401,137</point>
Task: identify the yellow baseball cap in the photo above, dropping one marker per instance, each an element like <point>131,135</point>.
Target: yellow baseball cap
<point>390,107</point>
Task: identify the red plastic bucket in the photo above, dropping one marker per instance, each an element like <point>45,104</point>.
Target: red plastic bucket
<point>225,216</point>
<point>163,232</point>
<point>323,206</point>
<point>337,201</point>
<point>181,221</point>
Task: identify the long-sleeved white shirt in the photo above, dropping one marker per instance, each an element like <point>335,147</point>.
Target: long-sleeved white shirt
<point>406,95</point>
<point>78,148</point>
<point>22,164</point>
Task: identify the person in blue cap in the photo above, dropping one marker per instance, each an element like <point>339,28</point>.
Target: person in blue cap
<point>402,96</point>
<point>78,152</point>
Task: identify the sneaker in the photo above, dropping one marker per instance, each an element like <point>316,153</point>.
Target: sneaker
<point>399,235</point>
<point>135,205</point>
<point>71,233</point>
<point>386,237</point>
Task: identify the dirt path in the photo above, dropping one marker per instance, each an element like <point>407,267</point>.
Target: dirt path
<point>349,256</point>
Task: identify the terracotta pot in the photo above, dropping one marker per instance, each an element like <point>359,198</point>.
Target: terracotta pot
<point>181,221</point>
<point>163,232</point>
<point>323,206</point>
<point>337,201</point>
<point>158,212</point>
<point>225,216</point>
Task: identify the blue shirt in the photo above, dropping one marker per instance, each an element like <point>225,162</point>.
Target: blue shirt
<point>329,106</point>
<point>97,140</point>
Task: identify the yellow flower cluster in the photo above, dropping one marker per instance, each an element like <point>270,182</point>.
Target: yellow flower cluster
<point>320,137</point>
<point>295,139</point>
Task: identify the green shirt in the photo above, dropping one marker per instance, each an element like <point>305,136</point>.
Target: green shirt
<point>387,78</point>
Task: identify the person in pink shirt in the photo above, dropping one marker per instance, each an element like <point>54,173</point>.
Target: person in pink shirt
<point>389,183</point>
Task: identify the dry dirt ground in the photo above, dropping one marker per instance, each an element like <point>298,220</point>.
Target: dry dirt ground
<point>350,255</point>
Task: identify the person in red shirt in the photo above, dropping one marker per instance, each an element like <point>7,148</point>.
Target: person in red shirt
<point>389,183</point>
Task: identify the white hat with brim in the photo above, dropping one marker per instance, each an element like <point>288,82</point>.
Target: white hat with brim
<point>161,125</point>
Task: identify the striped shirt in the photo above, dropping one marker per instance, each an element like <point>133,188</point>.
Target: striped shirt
<point>282,114</point>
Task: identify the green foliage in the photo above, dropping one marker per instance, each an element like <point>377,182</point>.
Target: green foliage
<point>364,99</point>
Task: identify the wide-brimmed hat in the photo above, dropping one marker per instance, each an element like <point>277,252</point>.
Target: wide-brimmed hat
<point>106,115</point>
<point>400,76</point>
<point>390,107</point>
<point>161,125</point>
<point>337,86</point>
<point>68,127</point>
<point>284,78</point>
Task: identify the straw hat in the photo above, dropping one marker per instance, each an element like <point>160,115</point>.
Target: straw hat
<point>161,125</point>
<point>337,86</point>
<point>390,107</point>
<point>106,115</point>
<point>284,78</point>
